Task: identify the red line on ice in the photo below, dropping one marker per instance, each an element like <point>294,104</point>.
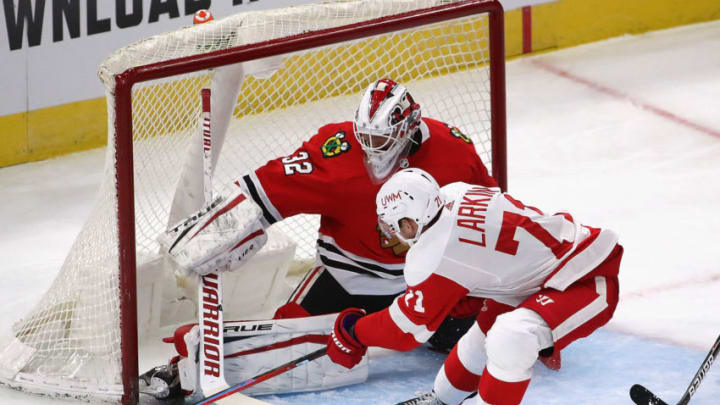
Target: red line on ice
<point>696,282</point>
<point>618,94</point>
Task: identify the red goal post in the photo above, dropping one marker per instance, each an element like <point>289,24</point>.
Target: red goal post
<point>138,141</point>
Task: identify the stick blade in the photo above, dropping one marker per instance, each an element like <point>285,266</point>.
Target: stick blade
<point>642,396</point>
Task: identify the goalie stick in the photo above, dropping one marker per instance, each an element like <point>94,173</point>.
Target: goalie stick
<point>264,376</point>
<point>210,310</point>
<point>212,378</point>
<point>642,396</point>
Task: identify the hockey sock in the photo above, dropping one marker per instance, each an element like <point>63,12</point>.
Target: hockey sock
<point>498,392</point>
<point>454,382</point>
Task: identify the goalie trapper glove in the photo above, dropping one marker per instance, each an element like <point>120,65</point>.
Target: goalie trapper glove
<point>343,347</point>
<point>220,237</point>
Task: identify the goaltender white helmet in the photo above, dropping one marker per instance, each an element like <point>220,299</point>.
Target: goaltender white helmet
<point>384,124</point>
<point>410,193</point>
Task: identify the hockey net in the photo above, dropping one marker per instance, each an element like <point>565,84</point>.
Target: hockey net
<point>276,77</point>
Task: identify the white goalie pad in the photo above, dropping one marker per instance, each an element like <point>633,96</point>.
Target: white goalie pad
<point>219,237</point>
<point>255,347</point>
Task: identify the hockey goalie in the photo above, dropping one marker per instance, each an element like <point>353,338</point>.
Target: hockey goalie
<point>336,174</point>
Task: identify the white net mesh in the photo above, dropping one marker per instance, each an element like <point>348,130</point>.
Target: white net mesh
<point>73,334</point>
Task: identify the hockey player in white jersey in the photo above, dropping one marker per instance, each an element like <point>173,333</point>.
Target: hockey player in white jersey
<point>546,281</point>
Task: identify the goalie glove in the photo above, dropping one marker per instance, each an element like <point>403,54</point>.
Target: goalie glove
<point>220,237</point>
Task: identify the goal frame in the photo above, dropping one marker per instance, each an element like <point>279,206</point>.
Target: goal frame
<point>124,128</point>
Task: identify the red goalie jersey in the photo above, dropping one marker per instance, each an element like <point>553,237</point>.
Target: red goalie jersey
<point>485,244</point>
<point>327,176</point>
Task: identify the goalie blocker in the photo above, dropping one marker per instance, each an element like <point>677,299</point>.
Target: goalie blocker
<point>253,347</point>
<point>220,237</point>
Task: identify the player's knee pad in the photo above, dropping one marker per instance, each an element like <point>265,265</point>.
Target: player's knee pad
<point>513,344</point>
<point>471,350</point>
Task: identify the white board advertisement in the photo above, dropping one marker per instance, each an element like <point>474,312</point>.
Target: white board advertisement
<point>50,49</point>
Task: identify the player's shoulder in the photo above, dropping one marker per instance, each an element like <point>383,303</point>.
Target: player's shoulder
<point>333,140</point>
<point>452,190</point>
<point>424,258</point>
<point>447,133</point>
<point>335,127</point>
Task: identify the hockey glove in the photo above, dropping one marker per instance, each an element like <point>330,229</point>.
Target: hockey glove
<point>343,347</point>
<point>220,237</point>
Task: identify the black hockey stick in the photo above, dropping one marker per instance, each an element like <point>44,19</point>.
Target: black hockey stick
<point>642,396</point>
<point>264,376</point>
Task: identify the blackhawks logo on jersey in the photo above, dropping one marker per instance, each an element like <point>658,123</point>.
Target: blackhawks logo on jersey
<point>335,145</point>
<point>397,247</point>
<point>454,131</point>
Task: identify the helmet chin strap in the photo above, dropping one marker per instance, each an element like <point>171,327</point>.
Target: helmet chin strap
<point>415,141</point>
<point>412,240</point>
<point>415,238</point>
<point>420,229</point>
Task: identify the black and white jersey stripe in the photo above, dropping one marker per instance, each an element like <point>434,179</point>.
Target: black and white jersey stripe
<point>334,257</point>
<point>357,274</point>
<point>251,184</point>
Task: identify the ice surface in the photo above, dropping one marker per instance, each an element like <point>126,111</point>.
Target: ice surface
<point>625,134</point>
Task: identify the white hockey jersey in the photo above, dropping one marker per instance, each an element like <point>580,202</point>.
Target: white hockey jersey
<point>485,244</point>
<point>498,248</point>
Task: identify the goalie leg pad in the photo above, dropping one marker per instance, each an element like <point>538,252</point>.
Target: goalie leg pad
<point>254,347</point>
<point>220,237</point>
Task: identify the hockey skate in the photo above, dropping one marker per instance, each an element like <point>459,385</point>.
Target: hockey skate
<point>162,382</point>
<point>425,399</point>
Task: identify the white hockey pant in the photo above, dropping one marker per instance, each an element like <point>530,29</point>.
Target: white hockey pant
<point>509,351</point>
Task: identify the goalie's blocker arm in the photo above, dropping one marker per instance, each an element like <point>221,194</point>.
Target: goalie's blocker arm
<point>220,237</point>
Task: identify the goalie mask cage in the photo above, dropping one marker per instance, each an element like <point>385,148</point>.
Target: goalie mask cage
<point>284,73</point>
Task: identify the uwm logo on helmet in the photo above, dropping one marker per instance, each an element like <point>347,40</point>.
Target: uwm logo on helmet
<point>392,197</point>
<point>211,326</point>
